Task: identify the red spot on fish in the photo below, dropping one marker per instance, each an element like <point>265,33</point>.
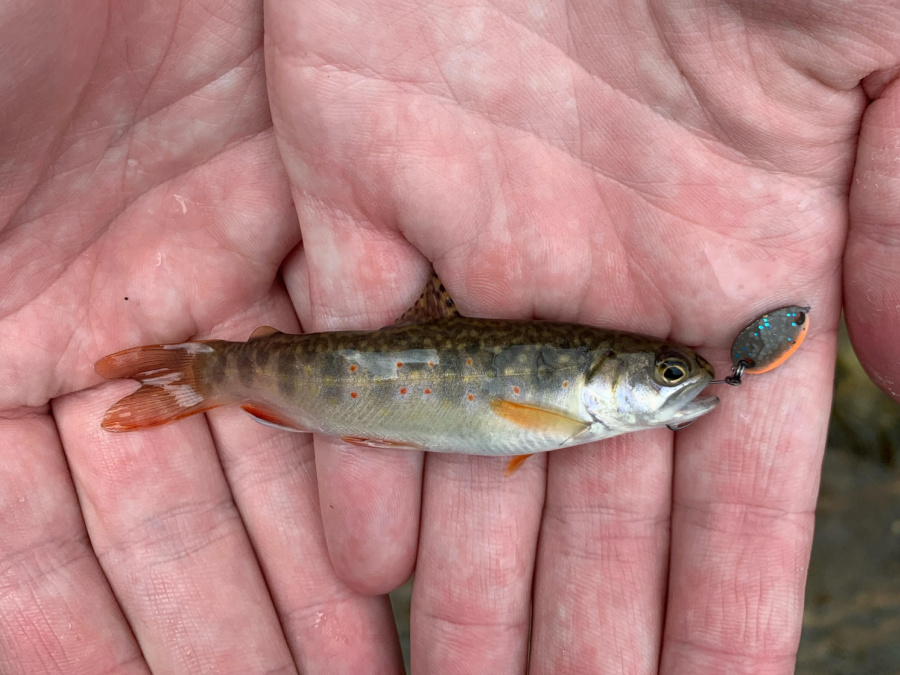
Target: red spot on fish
<point>353,394</point>
<point>399,364</point>
<point>428,391</point>
<point>403,390</point>
<point>471,397</point>
<point>353,369</point>
<point>565,383</point>
<point>468,362</point>
<point>431,363</point>
<point>516,390</point>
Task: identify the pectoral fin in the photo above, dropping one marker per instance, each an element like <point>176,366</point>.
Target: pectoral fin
<point>538,419</point>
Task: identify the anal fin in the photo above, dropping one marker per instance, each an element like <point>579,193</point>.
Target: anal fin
<point>271,417</point>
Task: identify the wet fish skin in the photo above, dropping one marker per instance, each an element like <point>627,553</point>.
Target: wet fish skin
<point>456,384</point>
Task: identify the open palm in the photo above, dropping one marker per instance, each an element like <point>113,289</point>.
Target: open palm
<point>670,170</point>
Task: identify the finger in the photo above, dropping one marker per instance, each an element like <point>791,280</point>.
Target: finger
<point>472,594</point>
<point>745,487</point>
<point>369,498</point>
<point>171,541</point>
<point>600,583</point>
<point>57,612</point>
<point>359,275</point>
<point>329,627</point>
<point>156,504</point>
<point>871,268</point>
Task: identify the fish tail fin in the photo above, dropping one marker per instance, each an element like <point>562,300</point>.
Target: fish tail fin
<point>172,386</point>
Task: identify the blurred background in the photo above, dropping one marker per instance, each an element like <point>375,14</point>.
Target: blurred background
<point>851,623</point>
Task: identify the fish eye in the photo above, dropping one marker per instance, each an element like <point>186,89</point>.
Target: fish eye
<point>672,369</point>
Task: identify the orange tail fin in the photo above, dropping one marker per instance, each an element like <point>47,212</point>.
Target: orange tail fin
<point>172,387</point>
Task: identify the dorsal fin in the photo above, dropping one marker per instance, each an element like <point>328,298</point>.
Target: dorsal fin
<point>261,332</point>
<point>434,303</point>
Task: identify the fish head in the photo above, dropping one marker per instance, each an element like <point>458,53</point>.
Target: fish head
<point>648,386</point>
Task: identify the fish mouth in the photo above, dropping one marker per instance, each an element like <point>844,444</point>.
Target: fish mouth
<point>694,408</point>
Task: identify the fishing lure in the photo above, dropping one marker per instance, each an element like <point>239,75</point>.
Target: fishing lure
<point>767,342</point>
<point>763,345</point>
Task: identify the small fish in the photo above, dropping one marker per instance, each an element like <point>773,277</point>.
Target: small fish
<point>435,380</point>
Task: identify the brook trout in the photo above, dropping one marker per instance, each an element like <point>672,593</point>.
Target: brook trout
<point>435,380</point>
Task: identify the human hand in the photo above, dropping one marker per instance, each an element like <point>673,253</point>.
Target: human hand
<point>670,168</point>
<point>143,199</point>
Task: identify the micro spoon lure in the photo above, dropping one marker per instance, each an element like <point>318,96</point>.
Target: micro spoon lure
<point>767,342</point>
<point>763,345</point>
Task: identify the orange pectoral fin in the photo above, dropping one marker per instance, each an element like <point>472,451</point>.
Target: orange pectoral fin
<point>379,443</point>
<point>514,464</point>
<point>538,419</point>
<point>271,417</point>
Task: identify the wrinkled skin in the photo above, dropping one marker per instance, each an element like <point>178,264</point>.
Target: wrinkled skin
<point>671,168</point>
